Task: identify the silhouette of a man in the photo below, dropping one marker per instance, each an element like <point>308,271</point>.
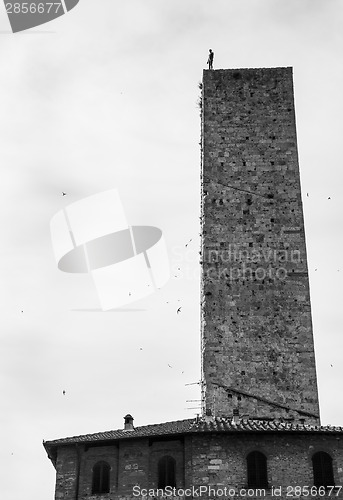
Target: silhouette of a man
<point>210,59</point>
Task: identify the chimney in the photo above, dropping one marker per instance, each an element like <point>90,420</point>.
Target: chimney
<point>208,415</point>
<point>128,422</point>
<point>235,418</point>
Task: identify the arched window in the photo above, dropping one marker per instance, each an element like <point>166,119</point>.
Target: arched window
<point>322,469</point>
<point>166,472</point>
<point>257,470</point>
<point>101,478</point>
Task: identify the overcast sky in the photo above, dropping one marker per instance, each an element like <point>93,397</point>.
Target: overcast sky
<point>106,97</point>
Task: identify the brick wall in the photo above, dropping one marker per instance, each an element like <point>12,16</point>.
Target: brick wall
<point>132,462</point>
<point>66,473</point>
<point>88,458</point>
<point>173,448</point>
<point>256,315</point>
<point>205,460</point>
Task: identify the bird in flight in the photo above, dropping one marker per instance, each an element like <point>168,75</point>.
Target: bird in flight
<point>63,193</point>
<point>188,243</point>
<point>178,311</point>
<point>64,393</point>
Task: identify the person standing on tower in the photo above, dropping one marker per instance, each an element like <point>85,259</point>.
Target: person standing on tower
<point>210,59</point>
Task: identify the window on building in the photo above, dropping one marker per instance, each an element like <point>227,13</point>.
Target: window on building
<point>322,469</point>
<point>166,472</point>
<point>101,478</point>
<point>257,470</point>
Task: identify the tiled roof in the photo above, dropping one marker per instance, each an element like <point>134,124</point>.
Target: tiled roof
<point>167,428</point>
<point>246,425</point>
<point>194,426</point>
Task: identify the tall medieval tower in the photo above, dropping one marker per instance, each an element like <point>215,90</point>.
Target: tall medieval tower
<point>258,355</point>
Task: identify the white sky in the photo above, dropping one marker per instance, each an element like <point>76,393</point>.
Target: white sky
<point>105,97</point>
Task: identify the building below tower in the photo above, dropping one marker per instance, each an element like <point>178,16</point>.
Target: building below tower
<point>255,459</point>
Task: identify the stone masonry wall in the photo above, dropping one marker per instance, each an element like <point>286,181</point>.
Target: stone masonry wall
<point>257,337</point>
<point>219,461</point>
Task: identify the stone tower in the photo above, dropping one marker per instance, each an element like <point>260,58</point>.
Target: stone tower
<point>258,355</point>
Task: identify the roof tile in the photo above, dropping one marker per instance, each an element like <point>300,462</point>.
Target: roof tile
<point>194,426</point>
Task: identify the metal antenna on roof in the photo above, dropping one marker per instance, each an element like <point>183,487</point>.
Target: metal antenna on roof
<point>198,407</point>
<point>192,408</point>
<point>202,400</point>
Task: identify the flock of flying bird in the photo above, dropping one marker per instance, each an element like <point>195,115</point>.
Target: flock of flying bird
<point>178,311</point>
